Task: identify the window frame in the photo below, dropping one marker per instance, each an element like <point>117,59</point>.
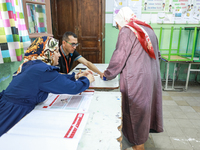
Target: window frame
<point>48,18</point>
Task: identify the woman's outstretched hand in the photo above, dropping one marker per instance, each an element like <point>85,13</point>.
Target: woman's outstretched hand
<point>87,74</point>
<point>90,77</point>
<point>101,75</point>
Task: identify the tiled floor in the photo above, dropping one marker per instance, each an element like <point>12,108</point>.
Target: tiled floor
<point>181,116</point>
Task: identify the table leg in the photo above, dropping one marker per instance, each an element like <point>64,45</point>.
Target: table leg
<point>167,76</point>
<point>188,75</point>
<point>174,75</point>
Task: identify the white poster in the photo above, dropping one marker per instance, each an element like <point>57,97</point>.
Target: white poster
<point>169,11</point>
<point>135,6</point>
<point>154,5</point>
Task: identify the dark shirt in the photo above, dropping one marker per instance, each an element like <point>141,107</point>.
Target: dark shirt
<point>66,67</point>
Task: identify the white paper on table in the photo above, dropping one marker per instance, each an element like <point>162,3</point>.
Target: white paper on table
<point>67,102</point>
<point>26,142</point>
<point>101,83</point>
<point>100,67</point>
<point>52,124</point>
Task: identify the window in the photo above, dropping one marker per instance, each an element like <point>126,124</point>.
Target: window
<point>37,16</point>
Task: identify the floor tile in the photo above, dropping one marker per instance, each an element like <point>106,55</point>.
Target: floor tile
<point>170,123</point>
<point>167,115</point>
<point>181,143</point>
<point>182,103</point>
<point>173,108</point>
<point>158,149</point>
<point>197,98</point>
<point>196,123</point>
<point>191,132</point>
<point>167,97</point>
<point>172,93</point>
<point>185,123</point>
<point>196,108</point>
<point>185,94</point>
<point>165,108</point>
<point>165,93</point>
<point>179,115</point>
<point>162,142</point>
<point>149,143</point>
<point>174,131</point>
<point>187,109</point>
<point>166,102</point>
<point>193,102</point>
<point>177,98</point>
<point>192,115</point>
<point>195,142</point>
<point>188,98</point>
<point>196,94</point>
<point>182,94</point>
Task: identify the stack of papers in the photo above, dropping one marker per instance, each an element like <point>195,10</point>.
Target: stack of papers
<point>41,129</point>
<point>56,123</point>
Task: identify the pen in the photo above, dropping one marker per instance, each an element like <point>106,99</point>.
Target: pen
<point>64,100</point>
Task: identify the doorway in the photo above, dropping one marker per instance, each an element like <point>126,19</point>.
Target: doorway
<point>86,18</point>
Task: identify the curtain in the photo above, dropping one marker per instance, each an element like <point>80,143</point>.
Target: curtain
<point>14,39</point>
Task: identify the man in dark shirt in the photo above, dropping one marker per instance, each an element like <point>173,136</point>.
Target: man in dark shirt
<point>69,54</point>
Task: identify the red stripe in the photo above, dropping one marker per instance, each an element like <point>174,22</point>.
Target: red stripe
<point>66,61</point>
<point>88,91</point>
<point>70,134</point>
<point>54,100</point>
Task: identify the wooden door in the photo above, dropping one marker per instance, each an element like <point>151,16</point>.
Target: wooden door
<point>86,18</point>
<point>63,17</point>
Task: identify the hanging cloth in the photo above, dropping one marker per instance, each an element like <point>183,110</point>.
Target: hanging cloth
<point>14,38</point>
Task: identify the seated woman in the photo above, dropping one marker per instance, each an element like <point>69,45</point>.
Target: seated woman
<point>35,78</point>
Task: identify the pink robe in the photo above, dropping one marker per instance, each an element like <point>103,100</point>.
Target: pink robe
<point>140,85</point>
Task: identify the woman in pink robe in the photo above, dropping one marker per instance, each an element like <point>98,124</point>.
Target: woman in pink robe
<point>136,59</point>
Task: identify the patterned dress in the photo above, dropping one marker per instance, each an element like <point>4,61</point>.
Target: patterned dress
<point>140,85</point>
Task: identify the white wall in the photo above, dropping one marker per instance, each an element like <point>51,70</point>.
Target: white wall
<point>109,8</point>
<point>149,18</point>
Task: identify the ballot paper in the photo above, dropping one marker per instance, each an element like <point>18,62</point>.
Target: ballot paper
<point>63,127</point>
<point>114,83</point>
<point>67,102</point>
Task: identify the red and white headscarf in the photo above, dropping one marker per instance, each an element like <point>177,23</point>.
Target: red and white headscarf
<point>126,17</point>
